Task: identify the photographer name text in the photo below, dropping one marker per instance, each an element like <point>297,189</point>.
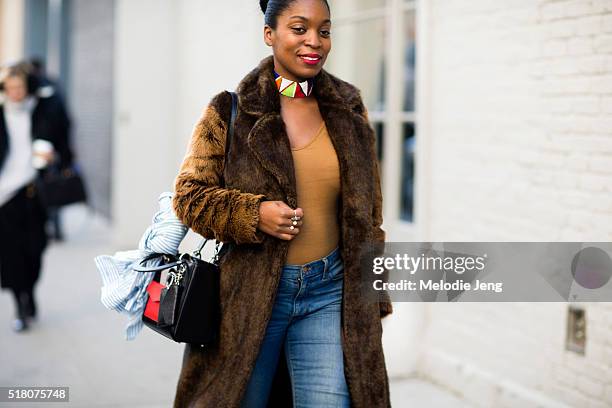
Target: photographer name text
<point>460,285</point>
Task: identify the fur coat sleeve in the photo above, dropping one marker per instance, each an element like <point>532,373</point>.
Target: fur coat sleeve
<point>386,307</point>
<point>227,215</point>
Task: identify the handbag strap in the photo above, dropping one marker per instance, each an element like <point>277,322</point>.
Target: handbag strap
<point>228,140</point>
<point>175,261</point>
<point>230,131</point>
<point>140,268</point>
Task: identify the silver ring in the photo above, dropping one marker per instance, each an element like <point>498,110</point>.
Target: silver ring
<point>294,222</point>
<point>292,228</point>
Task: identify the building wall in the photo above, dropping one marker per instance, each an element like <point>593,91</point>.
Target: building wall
<point>167,67</point>
<point>91,95</point>
<point>145,112</point>
<point>521,149</point>
<point>36,35</point>
<point>11,30</point>
<point>2,35</point>
<point>219,43</point>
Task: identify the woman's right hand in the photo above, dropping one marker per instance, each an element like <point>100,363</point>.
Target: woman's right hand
<point>275,219</point>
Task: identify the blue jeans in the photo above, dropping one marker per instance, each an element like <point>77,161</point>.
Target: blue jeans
<point>306,321</point>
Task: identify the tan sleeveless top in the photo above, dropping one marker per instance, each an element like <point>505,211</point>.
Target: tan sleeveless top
<point>317,174</point>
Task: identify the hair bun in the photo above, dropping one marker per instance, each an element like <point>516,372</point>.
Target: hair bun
<point>264,5</point>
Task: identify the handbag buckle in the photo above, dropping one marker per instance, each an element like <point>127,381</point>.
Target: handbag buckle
<point>176,275</point>
<point>216,257</point>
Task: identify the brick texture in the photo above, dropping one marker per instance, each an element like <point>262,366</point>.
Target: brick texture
<point>522,140</point>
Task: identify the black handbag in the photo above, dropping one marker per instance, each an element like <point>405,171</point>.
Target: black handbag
<point>186,308</point>
<point>57,188</point>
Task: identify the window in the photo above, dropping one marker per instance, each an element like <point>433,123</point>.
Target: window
<point>374,48</point>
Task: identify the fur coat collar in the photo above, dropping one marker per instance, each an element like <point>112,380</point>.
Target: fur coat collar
<point>259,98</point>
<point>259,94</point>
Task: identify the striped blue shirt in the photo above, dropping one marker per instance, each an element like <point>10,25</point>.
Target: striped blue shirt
<point>125,290</point>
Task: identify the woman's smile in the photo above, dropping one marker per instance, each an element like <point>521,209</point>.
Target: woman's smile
<point>311,59</point>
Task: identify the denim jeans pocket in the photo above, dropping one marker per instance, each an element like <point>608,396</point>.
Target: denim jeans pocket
<point>288,279</point>
<point>335,271</point>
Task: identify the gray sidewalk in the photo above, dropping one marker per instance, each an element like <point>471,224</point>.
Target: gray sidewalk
<point>78,343</point>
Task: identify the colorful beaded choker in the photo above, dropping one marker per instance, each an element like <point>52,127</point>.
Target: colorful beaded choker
<point>293,89</point>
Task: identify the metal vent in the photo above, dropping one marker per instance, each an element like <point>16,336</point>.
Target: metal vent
<point>576,330</point>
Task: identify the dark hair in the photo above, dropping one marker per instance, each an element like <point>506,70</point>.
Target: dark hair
<point>38,65</point>
<point>274,8</point>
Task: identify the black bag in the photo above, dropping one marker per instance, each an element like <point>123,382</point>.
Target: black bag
<point>58,188</point>
<point>187,308</point>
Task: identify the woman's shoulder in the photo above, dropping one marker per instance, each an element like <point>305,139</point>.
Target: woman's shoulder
<point>220,100</point>
<point>220,105</point>
<point>349,94</point>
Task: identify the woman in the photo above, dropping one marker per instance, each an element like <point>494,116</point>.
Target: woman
<point>301,200</point>
<point>27,114</point>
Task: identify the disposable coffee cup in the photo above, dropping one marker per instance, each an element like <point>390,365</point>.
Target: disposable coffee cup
<point>41,150</point>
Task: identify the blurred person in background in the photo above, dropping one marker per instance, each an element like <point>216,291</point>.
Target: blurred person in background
<point>55,98</point>
<point>299,204</point>
<point>32,136</point>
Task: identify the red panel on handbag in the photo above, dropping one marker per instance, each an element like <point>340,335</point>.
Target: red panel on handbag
<point>152,308</point>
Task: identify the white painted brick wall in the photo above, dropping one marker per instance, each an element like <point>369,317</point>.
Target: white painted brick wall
<point>521,140</point>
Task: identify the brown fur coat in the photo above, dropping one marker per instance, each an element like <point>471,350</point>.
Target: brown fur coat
<point>260,167</point>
